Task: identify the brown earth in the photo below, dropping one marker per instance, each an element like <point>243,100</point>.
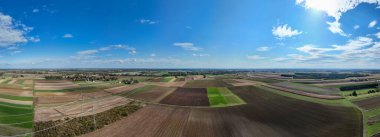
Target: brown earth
<point>120,89</point>
<point>16,101</point>
<point>16,92</point>
<point>187,97</point>
<point>153,93</point>
<point>205,84</point>
<point>369,103</point>
<point>265,115</point>
<point>54,85</point>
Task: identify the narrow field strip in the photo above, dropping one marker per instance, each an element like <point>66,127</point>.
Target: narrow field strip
<point>220,97</point>
<point>20,98</point>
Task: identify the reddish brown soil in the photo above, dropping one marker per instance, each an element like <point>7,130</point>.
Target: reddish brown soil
<point>187,97</point>
<point>152,94</point>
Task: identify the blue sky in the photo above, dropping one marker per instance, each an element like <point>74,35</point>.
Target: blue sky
<point>190,34</point>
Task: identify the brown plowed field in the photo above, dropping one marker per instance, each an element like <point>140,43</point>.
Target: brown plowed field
<point>152,93</point>
<point>124,88</point>
<point>369,103</point>
<point>265,115</point>
<point>205,83</point>
<point>187,97</point>
<point>54,85</point>
<point>16,92</point>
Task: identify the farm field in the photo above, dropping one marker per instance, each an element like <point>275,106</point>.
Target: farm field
<point>368,103</point>
<point>306,88</point>
<point>54,85</point>
<point>187,97</point>
<point>206,84</point>
<point>220,97</point>
<point>265,114</point>
<point>150,93</point>
<point>15,119</point>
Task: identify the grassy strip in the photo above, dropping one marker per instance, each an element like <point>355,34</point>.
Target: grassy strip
<point>12,113</point>
<point>359,92</point>
<point>15,105</point>
<point>373,112</point>
<point>219,97</point>
<point>6,81</point>
<point>83,125</point>
<point>68,90</point>
<point>167,79</point>
<point>21,98</point>
<point>373,129</point>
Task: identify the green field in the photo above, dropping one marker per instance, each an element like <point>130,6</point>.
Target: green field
<point>221,96</point>
<point>167,79</point>
<point>16,97</point>
<point>12,113</point>
<point>137,90</point>
<point>359,92</point>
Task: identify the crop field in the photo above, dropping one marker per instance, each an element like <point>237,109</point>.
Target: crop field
<point>54,85</point>
<point>219,97</point>
<point>306,88</point>
<point>15,119</point>
<point>359,92</point>
<point>206,83</point>
<point>265,114</point>
<point>187,97</point>
<point>368,103</point>
<point>150,93</point>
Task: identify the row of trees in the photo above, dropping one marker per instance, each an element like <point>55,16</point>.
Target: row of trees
<point>358,87</point>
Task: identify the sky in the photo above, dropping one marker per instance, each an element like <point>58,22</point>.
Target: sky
<point>190,34</point>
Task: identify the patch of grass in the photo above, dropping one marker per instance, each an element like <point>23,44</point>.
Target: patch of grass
<point>373,129</point>
<point>359,92</point>
<point>6,81</point>
<point>10,113</point>
<point>16,97</point>
<point>373,112</point>
<point>84,89</point>
<point>167,79</point>
<point>20,82</point>
<point>219,97</point>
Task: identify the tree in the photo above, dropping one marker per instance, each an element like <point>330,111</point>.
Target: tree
<point>354,93</point>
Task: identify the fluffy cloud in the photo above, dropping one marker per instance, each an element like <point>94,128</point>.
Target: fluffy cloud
<point>335,9</point>
<point>378,35</point>
<point>201,55</point>
<point>67,36</point>
<point>13,33</point>
<point>88,54</point>
<point>285,31</point>
<point>146,21</point>
<point>262,48</point>
<point>360,49</point>
<point>356,27</point>
<point>372,24</point>
<point>187,46</point>
<point>255,57</point>
<point>35,10</point>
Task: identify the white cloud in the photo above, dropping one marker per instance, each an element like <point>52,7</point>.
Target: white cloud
<point>201,55</point>
<point>35,10</point>
<point>87,52</point>
<point>152,55</point>
<point>68,36</point>
<point>187,46</point>
<point>146,21</point>
<point>285,31</point>
<point>11,32</point>
<point>255,57</point>
<point>335,9</point>
<point>356,27</point>
<point>262,48</point>
<point>362,49</point>
<point>378,35</point>
<point>372,24</point>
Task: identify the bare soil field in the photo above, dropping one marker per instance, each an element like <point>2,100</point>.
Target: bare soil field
<point>342,83</point>
<point>54,85</point>
<point>306,88</point>
<point>120,89</point>
<point>152,93</point>
<point>308,94</point>
<point>169,84</point>
<point>265,115</point>
<point>205,84</point>
<point>187,97</point>
<point>74,109</point>
<point>28,82</point>
<point>16,92</point>
<point>368,103</point>
<point>13,81</point>
<point>19,102</point>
